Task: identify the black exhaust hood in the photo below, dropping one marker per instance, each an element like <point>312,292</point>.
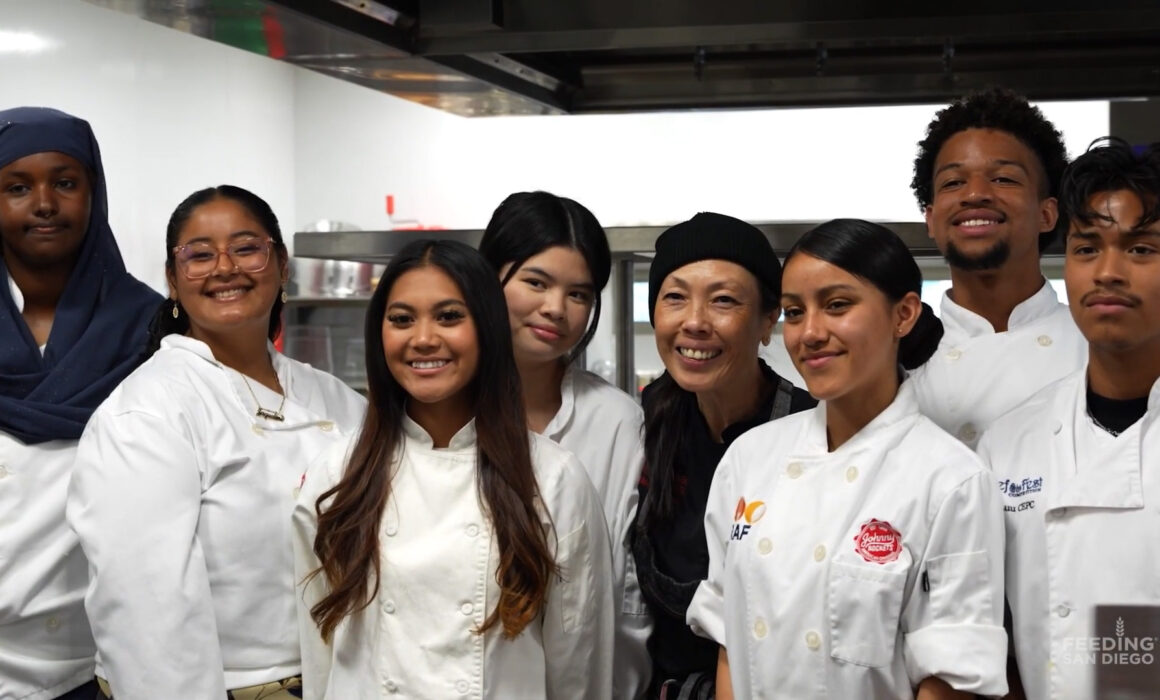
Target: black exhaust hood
<point>488,57</point>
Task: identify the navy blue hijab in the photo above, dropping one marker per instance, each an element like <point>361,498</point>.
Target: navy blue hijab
<point>99,328</point>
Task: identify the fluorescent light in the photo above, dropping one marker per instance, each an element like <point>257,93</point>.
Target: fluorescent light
<point>22,42</point>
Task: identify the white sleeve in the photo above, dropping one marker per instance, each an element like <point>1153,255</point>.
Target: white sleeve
<point>706,614</point>
<point>579,615</point>
<point>953,622</point>
<point>134,502</point>
<point>632,666</point>
<point>316,654</point>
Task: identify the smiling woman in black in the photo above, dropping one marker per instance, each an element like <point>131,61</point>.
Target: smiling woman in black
<point>713,291</point>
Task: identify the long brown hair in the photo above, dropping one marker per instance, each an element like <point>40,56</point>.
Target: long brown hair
<point>347,544</point>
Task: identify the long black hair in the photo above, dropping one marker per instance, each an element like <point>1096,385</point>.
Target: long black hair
<point>163,322</point>
<point>350,514</point>
<point>876,254</point>
<point>528,223</point>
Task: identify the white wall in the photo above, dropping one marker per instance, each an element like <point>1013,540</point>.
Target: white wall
<point>173,113</point>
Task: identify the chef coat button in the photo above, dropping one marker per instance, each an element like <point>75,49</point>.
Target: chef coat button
<point>52,624</point>
<point>851,473</point>
<point>794,470</point>
<point>472,530</point>
<point>820,552</point>
<point>326,426</point>
<point>462,687</point>
<point>765,546</point>
<point>1063,611</point>
<point>391,529</point>
<point>391,687</point>
<point>1044,340</point>
<point>954,354</point>
<point>389,607</point>
<point>1056,426</point>
<point>257,429</point>
<point>968,432</point>
<point>760,629</point>
<point>813,640</point>
<point>467,609</point>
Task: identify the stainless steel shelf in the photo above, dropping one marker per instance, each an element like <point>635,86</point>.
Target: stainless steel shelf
<point>627,242</point>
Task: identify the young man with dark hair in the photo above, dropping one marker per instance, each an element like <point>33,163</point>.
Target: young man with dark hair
<point>986,176</point>
<point>1079,464</point>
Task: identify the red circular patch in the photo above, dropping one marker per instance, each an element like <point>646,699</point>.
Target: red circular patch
<point>878,541</point>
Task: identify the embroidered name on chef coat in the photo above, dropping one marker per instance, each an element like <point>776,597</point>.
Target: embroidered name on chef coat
<point>1018,488</point>
<point>745,516</point>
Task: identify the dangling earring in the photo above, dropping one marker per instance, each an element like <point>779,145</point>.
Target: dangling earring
<point>176,309</point>
<point>284,295</point>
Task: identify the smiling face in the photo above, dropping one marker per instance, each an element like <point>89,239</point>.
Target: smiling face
<point>989,201</point>
<point>45,200</point>
<point>841,331</point>
<point>549,301</point>
<point>709,322</point>
<point>229,300</point>
<point>430,340</point>
<point>1112,273</point>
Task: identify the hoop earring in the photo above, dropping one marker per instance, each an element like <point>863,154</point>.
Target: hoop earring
<point>284,295</point>
<point>176,309</point>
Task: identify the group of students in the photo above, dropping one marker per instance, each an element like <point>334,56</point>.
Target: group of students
<point>493,521</point>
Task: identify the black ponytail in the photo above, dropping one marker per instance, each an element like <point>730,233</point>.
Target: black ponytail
<point>919,345</point>
<point>668,409</point>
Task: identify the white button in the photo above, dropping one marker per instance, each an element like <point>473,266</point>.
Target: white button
<point>52,624</point>
<point>462,687</point>
<point>968,433</point>
<point>389,607</point>
<point>391,529</point>
<point>820,552</point>
<point>760,629</point>
<point>3,471</point>
<point>391,687</point>
<point>794,470</point>
<point>765,546</point>
<point>472,530</point>
<point>257,429</point>
<point>851,473</point>
<point>813,641</point>
<point>954,354</point>
<point>1063,611</point>
<point>1044,340</point>
<point>467,609</point>
<point>326,426</point>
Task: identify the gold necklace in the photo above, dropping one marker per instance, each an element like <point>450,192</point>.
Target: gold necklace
<point>265,412</point>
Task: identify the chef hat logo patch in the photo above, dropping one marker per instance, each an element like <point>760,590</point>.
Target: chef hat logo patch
<point>877,541</point>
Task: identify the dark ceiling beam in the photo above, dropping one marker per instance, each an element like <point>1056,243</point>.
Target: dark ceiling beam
<point>998,26</point>
<point>504,74</point>
<point>353,21</point>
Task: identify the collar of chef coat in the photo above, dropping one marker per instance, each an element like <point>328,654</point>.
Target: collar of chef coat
<point>880,434</point>
<point>1110,482</point>
<point>956,318</point>
<point>299,395</point>
<point>567,405</point>
<point>463,439</point>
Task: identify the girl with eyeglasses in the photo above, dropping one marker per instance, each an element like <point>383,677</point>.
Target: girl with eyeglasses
<point>186,477</point>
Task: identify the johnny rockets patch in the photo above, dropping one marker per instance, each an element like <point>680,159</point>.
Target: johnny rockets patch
<point>877,541</point>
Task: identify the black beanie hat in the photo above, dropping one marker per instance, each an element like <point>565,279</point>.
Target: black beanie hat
<point>709,236</point>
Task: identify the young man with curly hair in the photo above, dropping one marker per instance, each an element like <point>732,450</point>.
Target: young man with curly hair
<point>987,176</point>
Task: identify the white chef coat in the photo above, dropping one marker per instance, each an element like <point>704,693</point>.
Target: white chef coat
<point>1083,512</point>
<point>977,375</point>
<point>813,598</point>
<point>182,497</point>
<point>439,557</point>
<point>46,648</point>
<point>602,426</point>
